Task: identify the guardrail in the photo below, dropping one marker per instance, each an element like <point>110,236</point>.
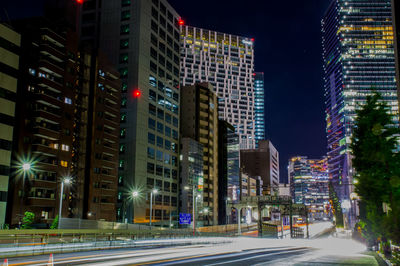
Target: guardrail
<point>44,241</point>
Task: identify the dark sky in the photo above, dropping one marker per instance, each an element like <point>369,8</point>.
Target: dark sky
<point>288,51</point>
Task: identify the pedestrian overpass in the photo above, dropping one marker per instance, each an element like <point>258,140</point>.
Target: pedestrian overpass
<point>263,208</point>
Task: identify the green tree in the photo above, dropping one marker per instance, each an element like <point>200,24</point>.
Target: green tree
<point>54,224</point>
<point>377,165</point>
<point>336,208</point>
<point>28,220</point>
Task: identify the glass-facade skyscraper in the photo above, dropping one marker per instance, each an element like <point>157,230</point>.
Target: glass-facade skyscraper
<point>358,53</point>
<point>309,184</point>
<point>259,106</point>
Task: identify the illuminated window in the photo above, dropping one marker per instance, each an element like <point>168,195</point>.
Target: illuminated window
<point>125,15</point>
<point>124,43</point>
<point>64,147</point>
<point>124,29</point>
<point>67,100</point>
<point>64,163</point>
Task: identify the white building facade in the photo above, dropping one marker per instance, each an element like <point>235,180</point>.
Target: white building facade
<point>227,62</point>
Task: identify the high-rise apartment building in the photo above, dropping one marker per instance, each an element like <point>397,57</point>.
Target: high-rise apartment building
<point>10,42</point>
<point>228,168</point>
<point>101,117</point>
<point>199,121</point>
<point>46,135</point>
<point>227,62</point>
<point>309,184</point>
<point>359,58</point>
<point>259,106</point>
<point>142,38</point>
<point>263,162</point>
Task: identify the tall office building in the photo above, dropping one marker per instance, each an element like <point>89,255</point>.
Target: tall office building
<point>192,179</point>
<point>199,121</point>
<point>142,39</point>
<point>358,53</point>
<point>10,42</point>
<point>228,168</point>
<point>309,185</point>
<point>396,27</point>
<point>227,62</point>
<point>263,162</point>
<point>259,106</point>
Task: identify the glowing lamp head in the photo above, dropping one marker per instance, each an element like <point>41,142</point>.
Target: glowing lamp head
<point>137,93</point>
<point>155,191</point>
<point>135,194</point>
<point>67,180</point>
<point>26,166</point>
<point>181,22</point>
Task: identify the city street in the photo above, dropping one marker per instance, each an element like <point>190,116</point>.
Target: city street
<point>241,251</point>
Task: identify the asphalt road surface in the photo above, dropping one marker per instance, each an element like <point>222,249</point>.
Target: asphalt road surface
<point>241,251</point>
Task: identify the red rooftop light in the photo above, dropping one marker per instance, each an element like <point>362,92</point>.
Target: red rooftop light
<point>181,22</point>
<point>252,39</point>
<point>79,1</point>
<point>137,93</point>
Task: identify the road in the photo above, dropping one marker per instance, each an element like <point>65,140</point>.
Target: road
<point>240,251</point>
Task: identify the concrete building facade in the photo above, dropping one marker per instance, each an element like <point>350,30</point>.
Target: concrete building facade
<point>199,121</point>
<point>142,38</point>
<point>10,42</point>
<point>263,162</point>
<point>227,62</point>
<point>45,132</point>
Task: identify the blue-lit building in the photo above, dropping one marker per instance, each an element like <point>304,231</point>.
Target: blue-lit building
<point>309,185</point>
<point>358,53</point>
<point>259,106</point>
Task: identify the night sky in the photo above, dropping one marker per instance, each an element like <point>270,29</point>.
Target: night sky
<point>287,49</point>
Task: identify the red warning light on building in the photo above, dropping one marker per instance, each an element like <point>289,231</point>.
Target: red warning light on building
<point>137,93</point>
<point>79,1</point>
<point>252,39</point>
<point>181,22</point>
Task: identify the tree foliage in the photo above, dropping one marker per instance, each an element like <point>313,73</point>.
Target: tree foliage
<point>27,220</point>
<point>377,165</point>
<point>336,208</point>
<point>54,224</point>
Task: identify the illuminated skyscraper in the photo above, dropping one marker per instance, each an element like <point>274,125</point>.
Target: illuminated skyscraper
<point>259,106</point>
<point>309,184</point>
<point>227,62</point>
<point>358,53</point>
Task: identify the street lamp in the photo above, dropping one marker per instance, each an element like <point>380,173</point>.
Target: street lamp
<point>66,180</point>
<point>26,167</point>
<point>153,191</point>
<point>194,201</point>
<point>135,194</point>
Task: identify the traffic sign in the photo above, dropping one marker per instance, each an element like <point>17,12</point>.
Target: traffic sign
<point>185,218</point>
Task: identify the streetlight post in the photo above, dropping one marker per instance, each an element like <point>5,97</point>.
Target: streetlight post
<point>26,167</point>
<point>66,180</point>
<point>154,191</point>
<point>194,202</point>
